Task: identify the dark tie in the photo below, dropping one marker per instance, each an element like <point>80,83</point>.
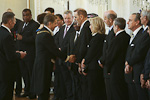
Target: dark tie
<point>77,36</point>
<point>24,26</point>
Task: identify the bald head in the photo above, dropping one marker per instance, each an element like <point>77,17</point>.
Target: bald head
<point>109,17</point>
<point>9,10</point>
<point>110,14</point>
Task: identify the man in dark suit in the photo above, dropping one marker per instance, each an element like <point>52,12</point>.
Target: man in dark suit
<point>14,30</point>
<point>62,39</point>
<point>109,17</point>
<point>73,43</point>
<point>26,41</point>
<point>136,53</point>
<point>8,57</point>
<point>144,20</point>
<point>146,70</point>
<point>116,59</point>
<point>45,51</point>
<point>80,50</point>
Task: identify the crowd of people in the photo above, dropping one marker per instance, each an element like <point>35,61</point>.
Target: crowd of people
<point>88,63</point>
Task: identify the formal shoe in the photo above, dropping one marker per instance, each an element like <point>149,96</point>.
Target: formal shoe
<point>32,96</point>
<point>55,98</point>
<point>25,95</point>
<point>17,95</point>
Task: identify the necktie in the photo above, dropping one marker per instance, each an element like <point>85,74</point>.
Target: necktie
<point>65,31</point>
<point>77,36</point>
<point>25,25</point>
<point>132,37</point>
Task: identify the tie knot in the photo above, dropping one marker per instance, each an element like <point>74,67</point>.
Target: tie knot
<point>132,35</point>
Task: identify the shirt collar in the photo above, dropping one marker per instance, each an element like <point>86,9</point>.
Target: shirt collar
<point>6,27</point>
<point>94,34</point>
<point>49,30</point>
<point>68,26</point>
<point>83,24</point>
<point>119,32</point>
<point>110,28</point>
<point>136,31</point>
<point>145,27</point>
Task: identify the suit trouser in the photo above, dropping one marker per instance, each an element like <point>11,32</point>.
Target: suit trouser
<point>76,83</point>
<point>67,80</point>
<point>108,89</point>
<point>119,90</point>
<point>142,93</point>
<point>18,80</point>
<point>59,84</point>
<point>96,85</point>
<point>84,87</point>
<point>6,90</point>
<point>26,71</point>
<point>132,91</point>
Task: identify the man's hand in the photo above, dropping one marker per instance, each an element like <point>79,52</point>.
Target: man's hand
<point>143,82</point>
<point>101,65</point>
<point>72,58</point>
<point>148,84</point>
<point>19,37</point>
<point>23,54</point>
<point>82,63</point>
<point>80,70</point>
<point>128,69</point>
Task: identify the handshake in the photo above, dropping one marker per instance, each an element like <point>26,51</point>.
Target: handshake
<point>22,54</point>
<point>71,58</point>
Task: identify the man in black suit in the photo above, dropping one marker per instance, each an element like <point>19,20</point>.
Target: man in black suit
<point>109,17</point>
<point>146,71</point>
<point>73,44</point>
<point>8,57</point>
<point>116,59</point>
<point>14,30</point>
<point>145,15</point>
<point>45,51</point>
<point>62,39</point>
<point>135,58</point>
<point>85,36</point>
<point>26,41</point>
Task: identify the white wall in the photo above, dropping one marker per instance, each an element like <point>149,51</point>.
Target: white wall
<point>16,5</point>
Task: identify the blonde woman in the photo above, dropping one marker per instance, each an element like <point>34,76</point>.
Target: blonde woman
<point>90,66</point>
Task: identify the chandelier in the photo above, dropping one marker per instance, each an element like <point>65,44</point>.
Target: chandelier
<point>99,2</point>
<point>143,4</point>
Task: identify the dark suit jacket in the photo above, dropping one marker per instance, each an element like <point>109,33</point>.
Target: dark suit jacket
<point>130,50</point>
<point>94,51</point>
<point>116,56</point>
<point>146,70</point>
<point>83,41</point>
<point>63,42</point>
<point>138,56</point>
<point>46,50</point>
<point>8,55</point>
<point>15,29</point>
<point>107,43</point>
<point>28,39</point>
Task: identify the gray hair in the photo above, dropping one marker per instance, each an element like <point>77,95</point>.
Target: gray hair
<point>68,12</point>
<point>146,13</point>
<point>120,22</point>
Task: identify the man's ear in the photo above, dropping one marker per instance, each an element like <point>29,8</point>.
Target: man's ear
<point>81,17</point>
